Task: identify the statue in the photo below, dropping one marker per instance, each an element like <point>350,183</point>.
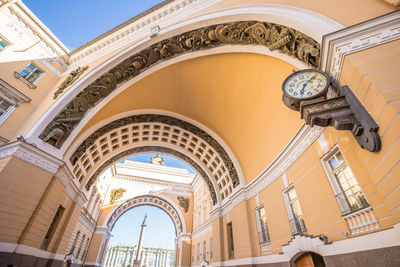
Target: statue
<point>72,77</point>
<point>158,160</point>
<point>116,194</point>
<point>184,203</point>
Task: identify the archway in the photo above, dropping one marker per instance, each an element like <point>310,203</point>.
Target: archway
<point>157,240</point>
<point>307,259</point>
<point>164,203</point>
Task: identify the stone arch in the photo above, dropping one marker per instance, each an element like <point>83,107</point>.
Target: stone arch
<point>157,133</point>
<point>274,36</point>
<point>161,202</point>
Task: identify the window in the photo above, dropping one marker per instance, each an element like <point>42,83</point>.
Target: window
<point>194,220</point>
<point>3,43</point>
<point>263,234</point>
<point>85,249</point>
<point>211,248</point>
<point>193,253</point>
<point>52,227</point>
<point>204,249</point>
<point>204,214</point>
<point>74,244</point>
<point>199,218</point>
<point>80,246</point>
<point>10,98</point>
<point>30,75</point>
<point>198,252</point>
<point>347,190</point>
<point>294,212</point>
<point>231,247</point>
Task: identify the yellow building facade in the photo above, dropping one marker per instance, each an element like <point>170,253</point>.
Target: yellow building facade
<point>201,80</point>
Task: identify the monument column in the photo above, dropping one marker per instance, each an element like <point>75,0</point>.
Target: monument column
<point>139,249</point>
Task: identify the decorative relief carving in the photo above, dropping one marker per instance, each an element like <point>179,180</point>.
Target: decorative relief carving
<point>184,203</point>
<point>116,194</point>
<point>72,77</point>
<point>89,141</point>
<point>163,150</point>
<point>274,36</point>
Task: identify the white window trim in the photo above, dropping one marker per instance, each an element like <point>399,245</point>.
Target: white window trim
<point>263,242</point>
<point>8,43</point>
<point>30,85</point>
<point>289,208</point>
<point>332,180</point>
<point>13,96</point>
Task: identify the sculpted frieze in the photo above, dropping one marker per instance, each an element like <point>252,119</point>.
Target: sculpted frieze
<point>273,36</point>
<point>163,150</point>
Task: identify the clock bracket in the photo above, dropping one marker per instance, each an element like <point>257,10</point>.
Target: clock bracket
<point>344,112</point>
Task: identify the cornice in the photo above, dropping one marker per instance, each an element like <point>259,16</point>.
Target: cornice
<point>151,181</point>
<point>31,155</point>
<point>86,223</point>
<point>67,179</point>
<point>336,45</point>
<point>139,27</point>
<point>200,231</point>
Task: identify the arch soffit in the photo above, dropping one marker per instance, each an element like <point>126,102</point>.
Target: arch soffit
<point>162,202</point>
<point>203,150</point>
<point>273,36</point>
<point>297,18</point>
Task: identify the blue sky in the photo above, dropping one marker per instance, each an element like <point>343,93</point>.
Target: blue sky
<point>169,161</point>
<point>159,233</point>
<point>76,22</point>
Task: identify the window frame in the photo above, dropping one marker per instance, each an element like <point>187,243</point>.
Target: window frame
<point>291,213</point>
<point>13,96</point>
<point>6,41</point>
<point>31,85</point>
<point>259,226</point>
<point>335,184</point>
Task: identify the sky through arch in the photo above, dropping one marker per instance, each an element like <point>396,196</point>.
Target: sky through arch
<point>159,232</point>
<point>169,161</point>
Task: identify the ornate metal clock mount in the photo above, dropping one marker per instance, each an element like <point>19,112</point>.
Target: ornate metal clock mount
<point>306,91</point>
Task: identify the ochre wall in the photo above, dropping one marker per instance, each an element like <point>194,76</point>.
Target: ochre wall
<point>21,190</point>
<point>373,76</point>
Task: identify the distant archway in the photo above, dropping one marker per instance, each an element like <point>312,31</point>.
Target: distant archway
<point>163,203</point>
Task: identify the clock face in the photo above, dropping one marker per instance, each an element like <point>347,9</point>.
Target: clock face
<point>305,84</point>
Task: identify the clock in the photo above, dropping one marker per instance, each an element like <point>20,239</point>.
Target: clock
<point>304,85</point>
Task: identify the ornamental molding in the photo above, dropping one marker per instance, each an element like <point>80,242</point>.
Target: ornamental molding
<point>11,94</point>
<point>184,203</point>
<point>276,37</point>
<point>374,32</point>
<point>25,22</point>
<point>162,202</point>
<point>67,179</point>
<point>87,223</point>
<point>72,77</point>
<point>202,230</point>
<point>139,27</point>
<point>31,155</point>
<point>146,180</point>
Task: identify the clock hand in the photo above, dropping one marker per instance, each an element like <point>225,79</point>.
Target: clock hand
<point>302,89</point>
